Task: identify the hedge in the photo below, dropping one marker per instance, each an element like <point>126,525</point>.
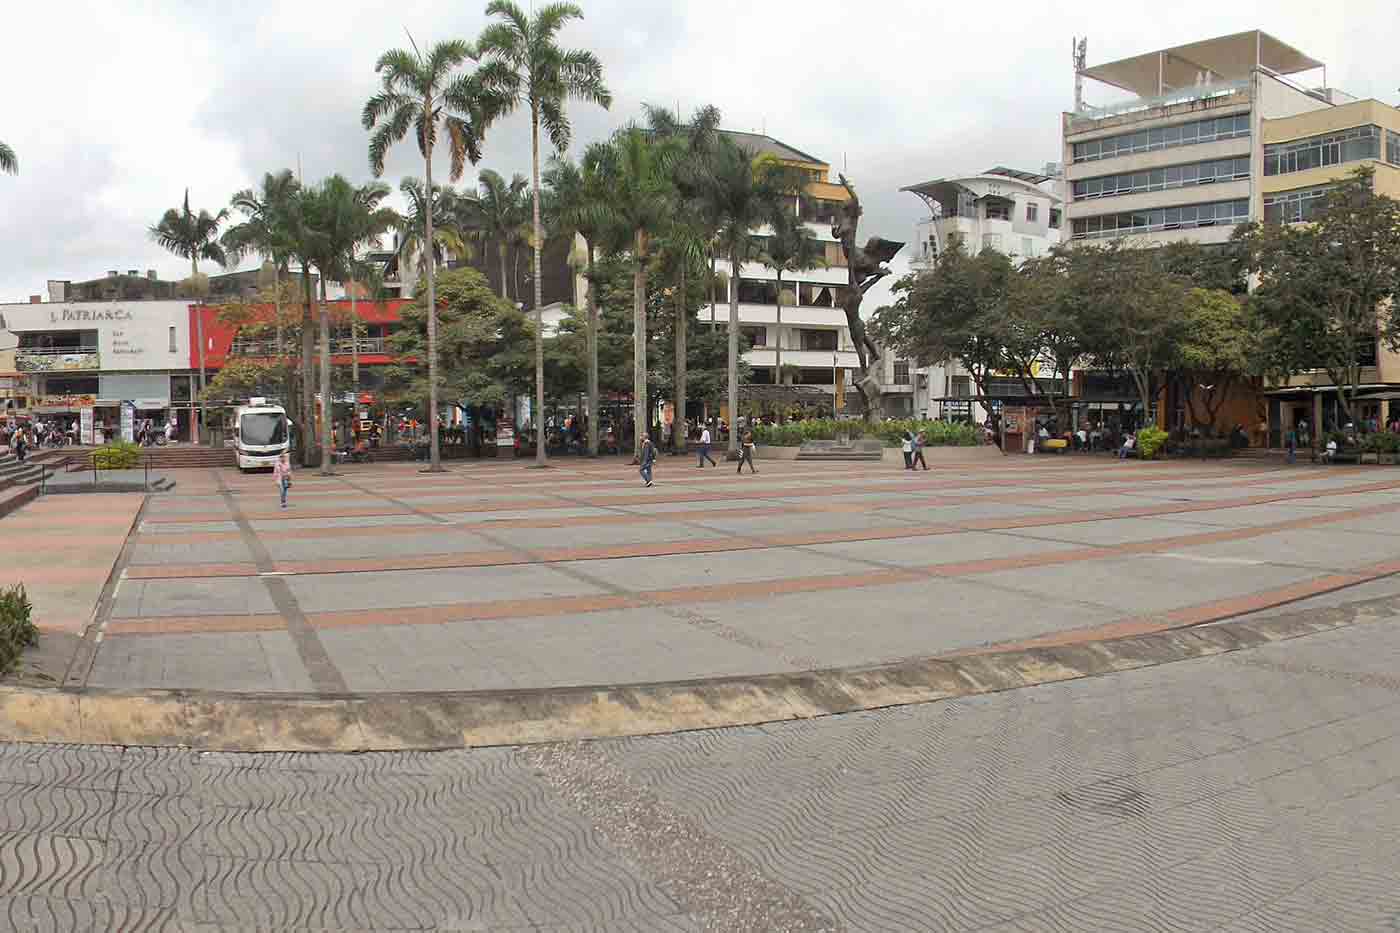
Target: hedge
<point>122,455</point>
<point>1151,443</point>
<point>17,630</point>
<point>889,433</point>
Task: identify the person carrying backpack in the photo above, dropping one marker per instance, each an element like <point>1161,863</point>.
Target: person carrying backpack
<point>746,450</point>
<point>647,459</point>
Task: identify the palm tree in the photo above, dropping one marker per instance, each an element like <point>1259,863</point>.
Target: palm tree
<point>577,204</point>
<point>194,237</point>
<point>638,180</point>
<point>448,240</point>
<point>340,218</point>
<point>420,92</point>
<point>265,230</point>
<point>741,192</point>
<point>789,247</point>
<point>527,67</point>
<point>688,238</point>
<point>496,214</point>
<point>9,162</point>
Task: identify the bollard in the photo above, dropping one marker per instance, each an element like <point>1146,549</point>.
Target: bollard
<point>147,482</point>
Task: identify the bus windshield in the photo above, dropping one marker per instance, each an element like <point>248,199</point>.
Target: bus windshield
<point>263,429</point>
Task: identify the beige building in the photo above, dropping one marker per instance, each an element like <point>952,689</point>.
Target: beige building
<point>1213,134</point>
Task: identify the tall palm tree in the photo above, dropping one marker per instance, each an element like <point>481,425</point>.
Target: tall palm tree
<point>194,237</point>
<point>688,237</point>
<point>340,218</point>
<point>789,247</point>
<point>526,66</point>
<point>741,192</point>
<point>497,214</point>
<point>577,204</point>
<point>448,238</point>
<point>265,230</point>
<point>9,162</point>
<point>422,93</point>
<point>638,178</point>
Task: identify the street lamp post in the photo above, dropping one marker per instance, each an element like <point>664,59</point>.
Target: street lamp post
<point>833,383</point>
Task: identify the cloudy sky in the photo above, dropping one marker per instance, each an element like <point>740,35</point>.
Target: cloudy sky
<point>115,107</point>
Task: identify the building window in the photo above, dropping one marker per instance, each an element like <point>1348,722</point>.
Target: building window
<point>1353,145</point>
<point>1291,207</point>
<point>70,385</point>
<point>1392,147</point>
<point>816,295</point>
<point>1027,247</point>
<point>818,339</point>
<point>1220,213</point>
<point>758,292</point>
<point>901,372</point>
<point>756,336</point>
<point>991,241</point>
<point>819,210</point>
<point>998,210</point>
<point>962,386</point>
<point>1032,212</point>
<point>172,338</point>
<point>1054,218</point>
<point>1162,179</point>
<point>1167,137</point>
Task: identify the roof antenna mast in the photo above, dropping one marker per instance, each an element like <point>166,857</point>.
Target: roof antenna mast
<point>1080,48</point>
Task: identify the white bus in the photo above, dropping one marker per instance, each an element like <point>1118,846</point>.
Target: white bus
<point>261,433</point>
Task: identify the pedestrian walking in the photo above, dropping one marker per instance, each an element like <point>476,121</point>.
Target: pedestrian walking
<point>1291,443</point>
<point>907,445</point>
<point>282,472</point>
<point>705,449</point>
<point>647,459</point>
<point>919,451</point>
<point>746,453</point>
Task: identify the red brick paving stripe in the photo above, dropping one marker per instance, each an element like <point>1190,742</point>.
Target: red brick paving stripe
<point>451,560</point>
<point>187,625</point>
<point>537,608</point>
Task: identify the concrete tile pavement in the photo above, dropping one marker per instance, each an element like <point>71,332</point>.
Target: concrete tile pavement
<point>1249,792</point>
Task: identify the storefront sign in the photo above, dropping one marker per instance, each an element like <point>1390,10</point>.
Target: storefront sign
<point>128,422</point>
<point>505,431</point>
<point>85,426</point>
<point>152,404</point>
<point>63,402</point>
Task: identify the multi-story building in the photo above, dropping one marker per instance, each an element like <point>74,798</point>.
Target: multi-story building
<point>1217,133</point>
<point>816,345</point>
<point>1013,212</point>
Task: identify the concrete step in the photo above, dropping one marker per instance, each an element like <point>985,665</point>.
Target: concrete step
<point>15,497</point>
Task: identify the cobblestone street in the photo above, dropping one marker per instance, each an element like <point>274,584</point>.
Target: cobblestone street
<point>1249,792</point>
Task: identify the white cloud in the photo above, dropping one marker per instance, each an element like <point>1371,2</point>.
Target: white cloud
<point>128,103</point>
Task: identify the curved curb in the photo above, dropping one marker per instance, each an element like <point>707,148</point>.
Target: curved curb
<point>423,721</point>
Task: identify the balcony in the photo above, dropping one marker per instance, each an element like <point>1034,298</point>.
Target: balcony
<point>340,346</point>
<point>1197,98</point>
<point>56,359</point>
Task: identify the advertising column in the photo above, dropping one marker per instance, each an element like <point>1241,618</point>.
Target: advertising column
<point>85,426</point>
<point>129,422</point>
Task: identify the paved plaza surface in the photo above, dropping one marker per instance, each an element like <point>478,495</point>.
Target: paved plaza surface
<point>494,576</point>
<point>1254,792</point>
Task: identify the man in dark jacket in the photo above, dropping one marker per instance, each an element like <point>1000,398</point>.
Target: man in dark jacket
<point>647,459</point>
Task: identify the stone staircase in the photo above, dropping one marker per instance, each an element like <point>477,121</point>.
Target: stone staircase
<point>19,483</point>
<point>177,457</point>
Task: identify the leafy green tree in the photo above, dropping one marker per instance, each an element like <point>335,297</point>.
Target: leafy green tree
<point>194,237</point>
<point>265,229</point>
<point>449,236</point>
<point>422,93</point>
<point>527,67</point>
<point>576,205</point>
<point>496,214</point>
<point>9,162</point>
<point>1327,289</point>
<point>952,311</point>
<point>1218,351</point>
<point>483,340</point>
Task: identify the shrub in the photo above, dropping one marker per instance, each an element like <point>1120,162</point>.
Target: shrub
<point>122,455</point>
<point>1150,443</point>
<point>936,433</point>
<point>17,630</point>
<point>1383,442</point>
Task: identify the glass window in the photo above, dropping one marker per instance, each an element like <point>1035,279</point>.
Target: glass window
<point>1055,215</point>
<point>1027,249</point>
<point>756,336</point>
<point>991,241</point>
<point>172,338</point>
<point>1190,174</point>
<point>998,210</point>
<point>1173,177</point>
<point>1189,133</point>
<point>1140,141</point>
<point>818,339</point>
<point>1157,138</point>
<point>1159,179</point>
<point>901,372</point>
<point>1032,211</point>
<point>1172,217</point>
<point>1172,135</point>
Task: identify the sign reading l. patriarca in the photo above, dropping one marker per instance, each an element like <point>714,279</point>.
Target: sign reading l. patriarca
<point>81,315</point>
